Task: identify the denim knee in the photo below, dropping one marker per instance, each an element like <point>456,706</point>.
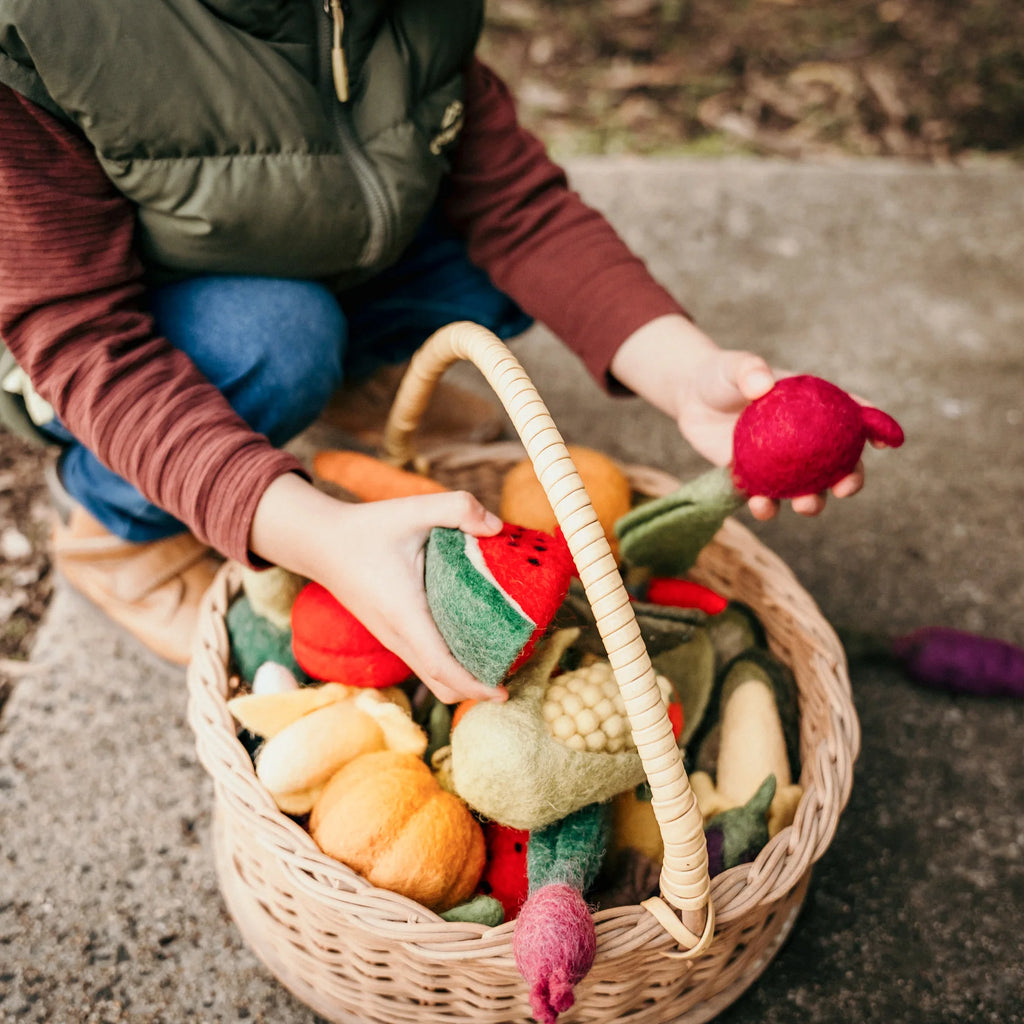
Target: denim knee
<point>272,346</point>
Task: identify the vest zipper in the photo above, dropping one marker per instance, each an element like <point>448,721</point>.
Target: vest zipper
<point>339,67</point>
<point>334,68</point>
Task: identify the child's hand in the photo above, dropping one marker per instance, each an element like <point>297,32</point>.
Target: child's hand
<point>370,557</point>
<point>704,388</point>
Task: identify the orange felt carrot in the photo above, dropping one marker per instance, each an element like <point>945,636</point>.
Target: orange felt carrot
<point>370,478</point>
<point>461,709</point>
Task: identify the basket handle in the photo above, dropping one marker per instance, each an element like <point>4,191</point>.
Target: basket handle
<point>685,883</point>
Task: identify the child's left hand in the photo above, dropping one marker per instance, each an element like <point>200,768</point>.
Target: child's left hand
<point>678,369</point>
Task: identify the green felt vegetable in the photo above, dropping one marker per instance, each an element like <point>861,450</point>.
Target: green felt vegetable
<point>484,910</point>
<point>667,534</point>
<point>734,630</point>
<point>570,851</point>
<point>506,764</point>
<point>255,639</point>
<point>737,836</point>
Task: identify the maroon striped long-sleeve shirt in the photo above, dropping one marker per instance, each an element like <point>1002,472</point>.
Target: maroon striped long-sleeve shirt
<point>74,310</point>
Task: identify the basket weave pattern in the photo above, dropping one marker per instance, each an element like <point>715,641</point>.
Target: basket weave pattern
<point>355,953</point>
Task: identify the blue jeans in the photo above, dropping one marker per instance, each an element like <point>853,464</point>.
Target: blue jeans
<point>277,349</point>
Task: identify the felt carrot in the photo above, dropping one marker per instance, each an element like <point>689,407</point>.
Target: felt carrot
<point>371,479</point>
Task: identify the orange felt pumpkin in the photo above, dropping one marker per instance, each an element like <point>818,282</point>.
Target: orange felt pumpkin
<point>523,500</point>
<point>385,816</point>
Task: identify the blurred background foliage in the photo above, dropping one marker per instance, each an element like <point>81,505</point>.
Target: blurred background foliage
<point>933,80</point>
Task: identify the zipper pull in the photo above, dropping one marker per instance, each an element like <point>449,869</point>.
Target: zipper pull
<point>339,67</point>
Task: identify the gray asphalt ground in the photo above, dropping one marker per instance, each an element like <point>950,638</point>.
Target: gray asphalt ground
<point>903,284</point>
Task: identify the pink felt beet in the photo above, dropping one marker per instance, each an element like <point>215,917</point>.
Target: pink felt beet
<point>554,944</point>
<point>803,436</point>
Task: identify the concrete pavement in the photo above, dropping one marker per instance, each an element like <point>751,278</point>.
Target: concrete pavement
<point>903,284</point>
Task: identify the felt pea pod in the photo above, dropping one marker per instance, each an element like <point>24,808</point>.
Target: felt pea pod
<point>802,437</point>
<point>485,910</point>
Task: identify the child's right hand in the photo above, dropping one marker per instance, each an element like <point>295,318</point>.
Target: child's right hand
<point>370,557</point>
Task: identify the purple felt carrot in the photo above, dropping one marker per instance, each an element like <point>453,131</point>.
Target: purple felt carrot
<point>952,659</point>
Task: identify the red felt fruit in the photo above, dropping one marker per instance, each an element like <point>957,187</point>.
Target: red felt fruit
<point>676,593</point>
<point>505,876</point>
<point>803,436</point>
<point>329,642</point>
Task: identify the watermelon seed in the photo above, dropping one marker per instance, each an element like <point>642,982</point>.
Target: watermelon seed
<point>534,561</point>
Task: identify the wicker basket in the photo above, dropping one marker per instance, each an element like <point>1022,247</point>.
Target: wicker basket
<point>355,953</point>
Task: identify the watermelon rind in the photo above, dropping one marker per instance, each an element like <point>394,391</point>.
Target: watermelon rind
<point>484,629</point>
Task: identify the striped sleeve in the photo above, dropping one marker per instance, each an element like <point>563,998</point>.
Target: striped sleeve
<point>74,313</point>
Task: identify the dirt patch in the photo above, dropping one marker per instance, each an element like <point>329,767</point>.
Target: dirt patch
<point>25,580</point>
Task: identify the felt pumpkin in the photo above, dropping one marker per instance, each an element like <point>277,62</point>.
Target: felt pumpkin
<point>523,499</point>
<point>385,816</point>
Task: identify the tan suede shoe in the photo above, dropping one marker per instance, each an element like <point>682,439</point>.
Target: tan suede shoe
<point>454,415</point>
<point>152,590</point>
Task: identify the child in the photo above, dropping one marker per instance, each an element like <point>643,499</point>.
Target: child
<point>212,214</point>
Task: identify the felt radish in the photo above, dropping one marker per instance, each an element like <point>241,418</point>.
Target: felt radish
<point>554,942</point>
<point>802,437</point>
<point>493,597</point>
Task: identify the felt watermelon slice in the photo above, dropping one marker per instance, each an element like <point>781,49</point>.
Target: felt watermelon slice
<point>493,597</point>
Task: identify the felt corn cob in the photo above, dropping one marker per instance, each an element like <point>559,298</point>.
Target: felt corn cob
<point>584,710</point>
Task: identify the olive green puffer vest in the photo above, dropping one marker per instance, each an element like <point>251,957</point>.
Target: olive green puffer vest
<point>221,120</point>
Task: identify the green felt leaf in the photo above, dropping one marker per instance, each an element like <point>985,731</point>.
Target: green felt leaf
<point>667,534</point>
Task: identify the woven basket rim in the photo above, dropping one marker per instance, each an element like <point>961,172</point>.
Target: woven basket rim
<point>826,768</point>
